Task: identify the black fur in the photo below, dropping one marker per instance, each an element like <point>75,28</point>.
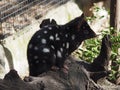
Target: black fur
<point>53,43</point>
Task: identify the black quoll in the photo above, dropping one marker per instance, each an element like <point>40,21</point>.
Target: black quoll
<point>53,43</point>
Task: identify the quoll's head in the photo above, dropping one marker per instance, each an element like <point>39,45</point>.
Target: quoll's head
<point>84,30</point>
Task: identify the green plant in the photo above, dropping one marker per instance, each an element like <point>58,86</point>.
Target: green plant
<point>91,48</point>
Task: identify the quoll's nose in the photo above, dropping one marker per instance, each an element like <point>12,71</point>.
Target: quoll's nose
<point>98,34</point>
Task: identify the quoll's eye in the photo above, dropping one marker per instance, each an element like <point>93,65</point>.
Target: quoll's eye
<point>86,32</point>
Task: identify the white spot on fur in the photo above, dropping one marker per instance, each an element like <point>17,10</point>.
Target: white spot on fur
<point>61,49</point>
<point>46,50</point>
<point>51,37</point>
<point>46,26</point>
<point>38,36</point>
<point>63,44</point>
<point>50,28</point>
<point>52,47</point>
<point>45,32</point>
<point>35,57</point>
<point>43,41</point>
<point>67,45</point>
<point>57,38</point>
<point>30,46</point>
<point>73,37</point>
<point>36,48</point>
<point>59,54</point>
<point>56,35</point>
<point>66,35</point>
<point>54,55</point>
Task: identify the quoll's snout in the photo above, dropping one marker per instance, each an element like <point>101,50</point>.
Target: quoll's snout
<point>83,28</point>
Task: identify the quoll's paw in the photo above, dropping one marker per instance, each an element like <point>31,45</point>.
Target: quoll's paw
<point>55,68</point>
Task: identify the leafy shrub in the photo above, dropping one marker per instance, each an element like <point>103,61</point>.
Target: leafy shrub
<point>91,48</point>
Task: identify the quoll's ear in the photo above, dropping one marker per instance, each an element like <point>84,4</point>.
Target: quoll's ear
<point>82,20</point>
<point>82,16</point>
<point>44,23</point>
<point>53,22</point>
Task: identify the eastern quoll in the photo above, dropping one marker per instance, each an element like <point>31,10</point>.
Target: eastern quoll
<point>53,43</point>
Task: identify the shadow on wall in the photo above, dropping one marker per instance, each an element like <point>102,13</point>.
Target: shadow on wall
<point>5,58</point>
<point>9,57</point>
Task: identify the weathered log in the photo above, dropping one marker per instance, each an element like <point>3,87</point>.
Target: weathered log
<point>81,75</point>
<point>76,80</point>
